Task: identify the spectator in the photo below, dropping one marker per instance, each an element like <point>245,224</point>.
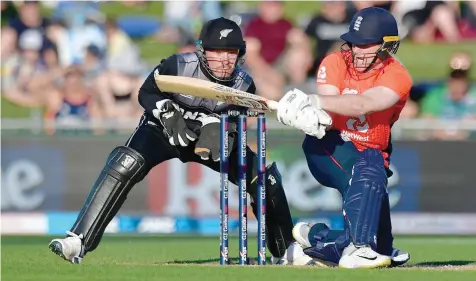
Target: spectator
<point>359,5</point>
<point>18,85</point>
<point>72,104</point>
<point>325,29</point>
<point>296,64</point>
<point>51,75</point>
<point>49,57</point>
<point>185,18</point>
<point>29,19</point>
<point>118,41</point>
<point>93,65</point>
<point>466,20</point>
<point>455,100</point>
<point>270,38</point>
<point>410,110</point>
<point>64,10</point>
<point>135,3</point>
<point>422,19</point>
<point>8,43</point>
<point>469,12</point>
<point>77,31</point>
<point>9,12</point>
<point>239,12</point>
<point>9,56</point>
<point>118,87</point>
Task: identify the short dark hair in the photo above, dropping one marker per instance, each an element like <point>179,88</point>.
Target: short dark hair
<point>459,73</point>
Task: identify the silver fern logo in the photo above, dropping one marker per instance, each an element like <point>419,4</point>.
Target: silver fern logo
<point>225,32</point>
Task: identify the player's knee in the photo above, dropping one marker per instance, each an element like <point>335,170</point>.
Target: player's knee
<point>368,182</point>
<point>369,175</point>
<point>126,163</point>
<point>368,185</point>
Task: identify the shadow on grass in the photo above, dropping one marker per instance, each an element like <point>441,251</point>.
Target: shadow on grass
<point>443,263</point>
<point>232,261</point>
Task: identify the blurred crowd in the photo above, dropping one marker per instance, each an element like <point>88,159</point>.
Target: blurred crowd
<point>80,65</point>
<point>76,64</point>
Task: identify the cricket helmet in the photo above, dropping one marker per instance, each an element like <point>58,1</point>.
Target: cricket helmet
<point>374,25</point>
<point>221,34</point>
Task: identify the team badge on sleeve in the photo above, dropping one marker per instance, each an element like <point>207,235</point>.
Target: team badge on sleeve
<point>321,75</point>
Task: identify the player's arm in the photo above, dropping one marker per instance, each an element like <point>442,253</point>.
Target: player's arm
<point>149,93</point>
<point>159,104</point>
<point>375,99</point>
<point>394,84</point>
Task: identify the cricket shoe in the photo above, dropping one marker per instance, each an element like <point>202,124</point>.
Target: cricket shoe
<point>399,257</point>
<point>69,248</point>
<point>294,255</point>
<point>363,257</point>
<point>301,234</point>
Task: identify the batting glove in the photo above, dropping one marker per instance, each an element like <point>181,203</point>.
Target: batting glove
<point>295,110</point>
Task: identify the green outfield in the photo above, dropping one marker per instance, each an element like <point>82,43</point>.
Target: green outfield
<point>195,258</point>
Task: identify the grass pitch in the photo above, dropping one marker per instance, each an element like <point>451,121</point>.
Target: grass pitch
<point>170,258</point>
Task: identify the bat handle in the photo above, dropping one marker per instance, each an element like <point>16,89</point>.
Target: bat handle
<point>273,105</point>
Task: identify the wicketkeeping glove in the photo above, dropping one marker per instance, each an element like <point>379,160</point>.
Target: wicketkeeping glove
<point>208,144</point>
<point>171,118</point>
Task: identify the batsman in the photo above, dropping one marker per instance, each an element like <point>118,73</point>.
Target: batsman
<point>187,128</point>
<point>361,91</point>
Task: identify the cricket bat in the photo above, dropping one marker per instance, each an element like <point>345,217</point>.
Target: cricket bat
<point>209,90</point>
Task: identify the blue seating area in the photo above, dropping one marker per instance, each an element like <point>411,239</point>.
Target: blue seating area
<point>139,26</point>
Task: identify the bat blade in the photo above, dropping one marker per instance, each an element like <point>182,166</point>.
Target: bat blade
<point>209,90</point>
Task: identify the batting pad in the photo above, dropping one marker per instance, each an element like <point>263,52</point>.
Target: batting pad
<point>123,169</point>
<point>364,198</point>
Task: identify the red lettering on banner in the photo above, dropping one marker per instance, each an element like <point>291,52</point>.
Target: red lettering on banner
<point>157,186</point>
<point>193,177</point>
<point>175,188</point>
<point>191,189</point>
